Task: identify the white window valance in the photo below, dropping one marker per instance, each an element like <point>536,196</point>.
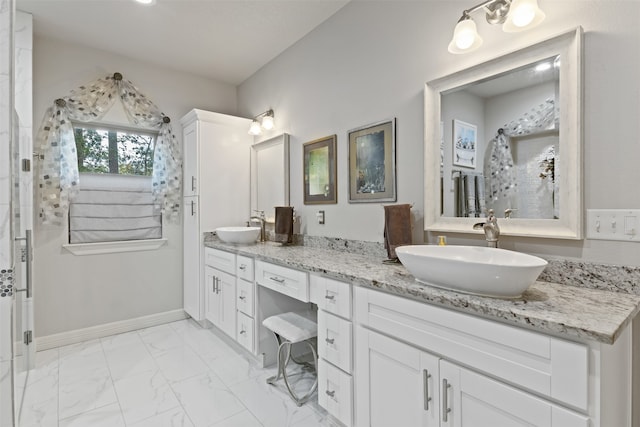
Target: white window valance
<point>58,167</point>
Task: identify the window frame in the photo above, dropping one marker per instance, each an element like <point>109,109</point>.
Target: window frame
<point>96,248</point>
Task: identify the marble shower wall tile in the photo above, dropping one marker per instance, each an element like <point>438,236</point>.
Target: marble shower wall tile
<point>6,111</point>
<point>24,111</point>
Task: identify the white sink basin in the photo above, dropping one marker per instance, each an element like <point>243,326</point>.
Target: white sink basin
<point>238,235</point>
<point>472,269</point>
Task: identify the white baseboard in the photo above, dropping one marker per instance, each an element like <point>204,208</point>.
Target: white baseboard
<point>100,331</point>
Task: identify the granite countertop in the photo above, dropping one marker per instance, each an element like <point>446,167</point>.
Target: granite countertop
<point>568,311</point>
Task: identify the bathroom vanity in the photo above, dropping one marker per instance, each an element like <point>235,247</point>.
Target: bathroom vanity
<point>395,352</point>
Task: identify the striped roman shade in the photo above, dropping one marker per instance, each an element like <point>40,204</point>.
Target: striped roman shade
<point>113,208</point>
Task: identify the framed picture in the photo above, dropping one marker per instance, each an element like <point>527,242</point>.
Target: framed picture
<point>372,163</point>
<point>465,141</point>
<point>320,177</point>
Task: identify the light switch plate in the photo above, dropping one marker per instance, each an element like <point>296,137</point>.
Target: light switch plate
<point>613,224</point>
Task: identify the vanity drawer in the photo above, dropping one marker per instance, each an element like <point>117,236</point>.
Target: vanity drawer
<point>334,340</point>
<point>335,391</point>
<point>245,331</point>
<point>244,268</point>
<point>287,281</point>
<point>222,260</point>
<point>245,297</point>
<point>547,365</point>
<point>331,295</point>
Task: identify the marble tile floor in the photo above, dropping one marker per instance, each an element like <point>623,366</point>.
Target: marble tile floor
<point>173,375</point>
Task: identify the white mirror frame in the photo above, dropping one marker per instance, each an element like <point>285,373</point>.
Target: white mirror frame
<point>280,166</point>
<point>569,226</point>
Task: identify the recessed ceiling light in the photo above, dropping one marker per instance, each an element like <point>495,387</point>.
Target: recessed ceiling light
<point>146,1</point>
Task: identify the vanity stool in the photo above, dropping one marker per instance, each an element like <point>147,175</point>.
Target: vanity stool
<point>291,328</point>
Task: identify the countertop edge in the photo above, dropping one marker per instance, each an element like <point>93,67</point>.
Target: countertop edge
<point>520,313</point>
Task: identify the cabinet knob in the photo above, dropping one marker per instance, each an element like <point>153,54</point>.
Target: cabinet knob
<point>330,340</point>
<point>330,393</point>
<point>242,297</point>
<point>330,297</point>
<point>243,267</point>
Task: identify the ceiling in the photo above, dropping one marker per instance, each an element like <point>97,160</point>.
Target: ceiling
<point>225,40</point>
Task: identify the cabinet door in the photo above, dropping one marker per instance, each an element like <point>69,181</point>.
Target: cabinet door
<point>212,300</point>
<point>193,302</point>
<point>190,159</point>
<point>227,308</point>
<point>396,384</point>
<point>221,300</point>
<point>470,399</point>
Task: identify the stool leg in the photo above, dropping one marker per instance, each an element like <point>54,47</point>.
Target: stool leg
<point>281,362</point>
<point>301,400</point>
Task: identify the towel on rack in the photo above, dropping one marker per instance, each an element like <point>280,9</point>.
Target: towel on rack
<point>397,228</point>
<point>284,224</point>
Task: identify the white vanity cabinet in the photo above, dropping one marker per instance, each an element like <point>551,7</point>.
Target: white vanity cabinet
<point>216,157</point>
<point>220,286</point>
<point>411,387</point>
<point>422,365</point>
<point>335,346</point>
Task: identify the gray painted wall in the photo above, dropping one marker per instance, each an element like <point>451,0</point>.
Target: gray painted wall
<point>75,292</point>
<point>370,61</point>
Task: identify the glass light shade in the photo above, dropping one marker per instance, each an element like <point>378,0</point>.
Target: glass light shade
<point>254,128</point>
<point>524,14</point>
<point>267,122</point>
<point>465,37</point>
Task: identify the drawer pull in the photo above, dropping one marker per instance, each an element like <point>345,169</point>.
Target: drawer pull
<point>445,400</point>
<point>243,332</point>
<point>425,382</point>
<point>277,279</point>
<point>242,297</point>
<point>243,267</point>
<point>330,393</point>
<point>329,340</point>
<point>330,297</point>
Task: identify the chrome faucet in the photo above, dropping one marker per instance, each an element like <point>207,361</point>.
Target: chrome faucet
<point>491,229</point>
<point>261,219</point>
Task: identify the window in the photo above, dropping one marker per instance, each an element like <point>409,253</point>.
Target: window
<point>115,201</point>
<point>103,149</point>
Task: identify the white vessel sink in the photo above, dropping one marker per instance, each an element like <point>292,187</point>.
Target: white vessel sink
<point>472,269</point>
<point>238,235</point>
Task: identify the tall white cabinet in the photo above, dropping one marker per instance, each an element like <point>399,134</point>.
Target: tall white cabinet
<point>216,171</point>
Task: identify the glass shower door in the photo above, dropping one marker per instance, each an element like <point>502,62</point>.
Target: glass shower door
<point>21,221</point>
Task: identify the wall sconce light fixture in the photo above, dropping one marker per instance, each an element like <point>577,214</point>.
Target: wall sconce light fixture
<point>262,120</point>
<point>514,15</point>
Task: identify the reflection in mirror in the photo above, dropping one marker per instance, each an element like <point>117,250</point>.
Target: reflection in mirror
<point>270,175</point>
<point>320,171</point>
<point>504,142</point>
<point>506,135</point>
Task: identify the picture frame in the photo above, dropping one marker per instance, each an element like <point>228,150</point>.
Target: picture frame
<point>320,177</point>
<point>465,143</point>
<point>372,163</point>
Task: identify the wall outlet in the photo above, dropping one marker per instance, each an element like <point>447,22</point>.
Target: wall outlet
<point>613,224</point>
<point>320,216</point>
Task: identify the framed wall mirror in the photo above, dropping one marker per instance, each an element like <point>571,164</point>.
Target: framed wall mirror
<point>507,135</point>
<point>270,175</point>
